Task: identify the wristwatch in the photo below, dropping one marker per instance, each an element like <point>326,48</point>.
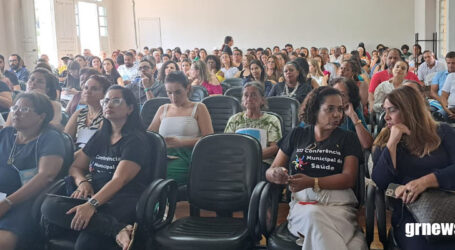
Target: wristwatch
<point>316,187</point>
<point>358,122</point>
<point>93,202</point>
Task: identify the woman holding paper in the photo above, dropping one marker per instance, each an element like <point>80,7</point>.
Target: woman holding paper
<point>265,127</point>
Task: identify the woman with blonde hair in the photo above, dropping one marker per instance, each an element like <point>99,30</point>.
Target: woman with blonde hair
<point>200,75</point>
<point>416,152</point>
<point>316,72</point>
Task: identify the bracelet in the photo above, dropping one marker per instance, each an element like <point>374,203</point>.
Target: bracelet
<point>82,182</point>
<point>358,122</point>
<point>147,90</point>
<point>10,203</point>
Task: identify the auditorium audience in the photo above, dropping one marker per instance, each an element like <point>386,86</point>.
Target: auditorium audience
<point>416,152</point>
<point>258,75</point>
<point>354,119</point>
<point>393,56</point>
<point>31,156</point>
<point>182,123</point>
<point>86,121</point>
<point>273,72</point>
<point>245,72</point>
<point>75,104</point>
<point>10,75</point>
<point>111,73</point>
<point>295,84</point>
<point>227,68</point>
<point>200,75</point>
<point>129,70</point>
<point>17,66</point>
<point>254,121</point>
<point>214,66</point>
<point>95,62</point>
<point>319,163</point>
<point>42,81</point>
<point>399,73</point>
<point>119,163</point>
<point>429,66</point>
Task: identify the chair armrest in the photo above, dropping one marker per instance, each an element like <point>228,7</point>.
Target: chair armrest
<point>369,213</point>
<point>253,212</point>
<point>54,188</point>
<point>381,215</point>
<point>141,206</point>
<point>268,208</point>
<point>161,205</point>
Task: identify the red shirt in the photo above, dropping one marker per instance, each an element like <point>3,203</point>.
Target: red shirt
<point>384,75</point>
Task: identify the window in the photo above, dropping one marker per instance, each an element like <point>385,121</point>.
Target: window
<point>102,20</point>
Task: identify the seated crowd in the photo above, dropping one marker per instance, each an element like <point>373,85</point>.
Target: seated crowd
<point>97,102</point>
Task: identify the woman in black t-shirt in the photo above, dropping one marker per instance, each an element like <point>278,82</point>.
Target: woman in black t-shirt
<point>117,159</point>
<point>111,72</point>
<point>322,162</point>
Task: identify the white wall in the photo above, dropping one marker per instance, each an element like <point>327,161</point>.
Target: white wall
<point>253,23</point>
<point>10,28</point>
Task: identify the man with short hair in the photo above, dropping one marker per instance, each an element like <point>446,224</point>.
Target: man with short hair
<point>237,58</point>
<point>289,48</point>
<point>144,87</point>
<point>392,57</point>
<point>17,66</point>
<point>448,98</point>
<point>129,70</point>
<point>336,57</point>
<point>259,52</point>
<point>328,66</point>
<point>431,65</point>
<point>10,75</point>
<point>87,53</point>
<point>146,51</point>
<point>439,79</point>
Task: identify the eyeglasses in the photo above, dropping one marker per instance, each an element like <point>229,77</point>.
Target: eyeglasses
<point>24,109</point>
<point>114,101</point>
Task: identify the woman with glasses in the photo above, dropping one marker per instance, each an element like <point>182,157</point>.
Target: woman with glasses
<point>319,163</point>
<point>42,81</point>
<point>85,122</point>
<point>31,156</point>
<point>182,123</point>
<point>118,160</point>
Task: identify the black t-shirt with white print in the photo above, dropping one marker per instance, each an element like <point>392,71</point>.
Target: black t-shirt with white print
<point>104,160</point>
<point>319,159</point>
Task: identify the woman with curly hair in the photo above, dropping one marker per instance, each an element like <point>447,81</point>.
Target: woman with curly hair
<point>319,163</point>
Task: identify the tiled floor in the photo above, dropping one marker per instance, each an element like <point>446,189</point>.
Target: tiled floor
<point>183,211</point>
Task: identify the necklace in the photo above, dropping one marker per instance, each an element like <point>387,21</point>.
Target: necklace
<point>293,92</point>
<point>13,153</point>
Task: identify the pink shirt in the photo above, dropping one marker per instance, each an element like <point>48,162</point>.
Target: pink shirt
<point>213,89</point>
<point>384,75</point>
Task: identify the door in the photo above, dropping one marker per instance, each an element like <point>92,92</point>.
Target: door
<point>65,27</point>
<point>149,32</point>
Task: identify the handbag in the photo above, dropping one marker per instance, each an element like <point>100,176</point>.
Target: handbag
<point>432,206</point>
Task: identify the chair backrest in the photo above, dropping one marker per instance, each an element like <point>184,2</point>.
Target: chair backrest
<point>159,155</point>
<point>279,118</point>
<point>234,82</point>
<point>235,92</point>
<point>221,108</point>
<point>225,87</point>
<point>150,107</point>
<point>69,155</point>
<point>223,179</point>
<point>198,93</point>
<point>287,108</point>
